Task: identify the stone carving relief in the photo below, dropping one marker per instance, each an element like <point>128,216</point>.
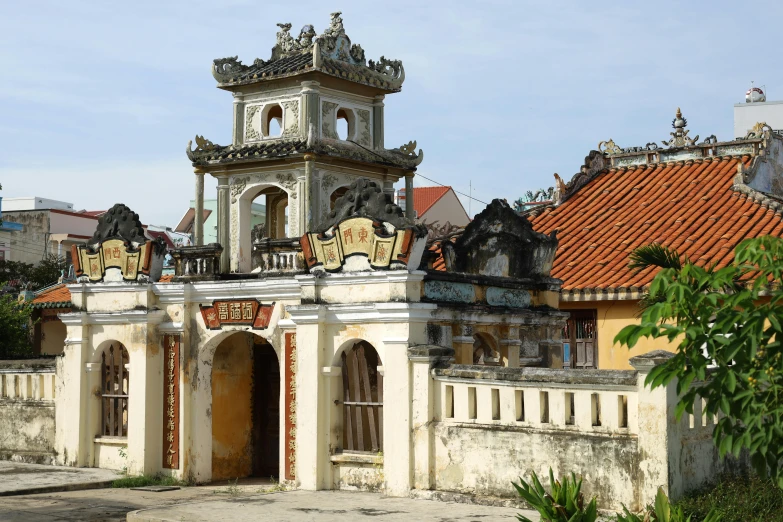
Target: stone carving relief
<point>251,132</point>
<point>288,181</point>
<point>237,187</point>
<point>292,107</point>
<point>609,147</point>
<point>327,110</point>
<point>364,135</point>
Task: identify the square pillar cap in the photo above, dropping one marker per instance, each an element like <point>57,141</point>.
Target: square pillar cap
<point>649,360</point>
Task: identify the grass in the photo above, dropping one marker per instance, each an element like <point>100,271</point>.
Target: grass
<point>147,480</point>
<point>738,499</point>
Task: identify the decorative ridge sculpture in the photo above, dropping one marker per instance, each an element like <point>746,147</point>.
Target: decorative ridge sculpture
<point>365,231</point>
<point>501,243</point>
<point>119,250</point>
<point>333,45</point>
<point>680,135</point>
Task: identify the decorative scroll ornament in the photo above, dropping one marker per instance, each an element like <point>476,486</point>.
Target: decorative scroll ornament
<point>680,135</point>
<point>327,108</point>
<point>119,250</point>
<point>759,130</point>
<point>251,133</point>
<point>202,144</point>
<point>292,128</point>
<point>609,147</point>
<point>288,181</point>
<point>392,69</point>
<point>224,69</point>
<point>237,187</point>
<point>366,230</point>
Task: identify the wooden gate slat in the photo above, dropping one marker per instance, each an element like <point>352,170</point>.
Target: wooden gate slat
<point>357,397</point>
<point>379,383</point>
<point>112,402</point>
<point>347,409</point>
<point>121,392</point>
<point>365,379</point>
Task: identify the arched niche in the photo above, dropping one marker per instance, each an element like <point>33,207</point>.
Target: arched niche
<point>275,200</point>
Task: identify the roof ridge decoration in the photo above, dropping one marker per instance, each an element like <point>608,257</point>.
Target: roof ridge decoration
<point>119,250</point>
<point>680,135</point>
<point>327,50</point>
<point>499,242</point>
<point>365,231</point>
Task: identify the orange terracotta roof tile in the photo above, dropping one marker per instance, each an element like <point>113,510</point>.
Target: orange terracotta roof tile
<point>425,197</point>
<point>166,278</point>
<point>689,206</point>
<point>53,297</point>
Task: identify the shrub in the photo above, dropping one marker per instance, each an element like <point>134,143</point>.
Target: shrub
<point>564,504</point>
<point>737,498</point>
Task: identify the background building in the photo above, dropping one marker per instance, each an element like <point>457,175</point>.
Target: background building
<point>756,109</point>
<point>436,205</point>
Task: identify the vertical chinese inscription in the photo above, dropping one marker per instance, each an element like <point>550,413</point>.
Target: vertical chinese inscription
<point>171,402</point>
<point>290,406</point>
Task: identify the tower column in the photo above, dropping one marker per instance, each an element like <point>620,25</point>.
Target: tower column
<point>409,212</point>
<point>307,197</point>
<point>239,119</point>
<point>198,205</point>
<point>223,224</point>
<point>311,96</point>
<point>377,122</point>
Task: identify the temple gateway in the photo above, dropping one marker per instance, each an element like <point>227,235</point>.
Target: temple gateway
<point>322,348</point>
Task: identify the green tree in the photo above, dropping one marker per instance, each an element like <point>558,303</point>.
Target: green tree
<point>727,326</point>
<point>15,327</point>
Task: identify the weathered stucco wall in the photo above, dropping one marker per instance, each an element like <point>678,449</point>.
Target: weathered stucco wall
<point>27,431</point>
<point>29,245</point>
<point>232,422</point>
<point>613,316</point>
<point>53,335</point>
<point>27,411</point>
<point>484,460</point>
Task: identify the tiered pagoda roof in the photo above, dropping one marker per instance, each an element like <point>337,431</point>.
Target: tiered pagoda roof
<point>330,53</point>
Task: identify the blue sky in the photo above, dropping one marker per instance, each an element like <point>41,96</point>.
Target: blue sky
<point>99,99</point>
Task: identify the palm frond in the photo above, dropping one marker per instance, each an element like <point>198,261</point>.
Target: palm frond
<point>654,254</point>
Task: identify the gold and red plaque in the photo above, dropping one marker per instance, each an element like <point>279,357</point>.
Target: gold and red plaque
<point>171,401</point>
<point>112,253</point>
<point>237,312</point>
<point>358,236</point>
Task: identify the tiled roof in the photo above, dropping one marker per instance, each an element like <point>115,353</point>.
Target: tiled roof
<point>686,205</point>
<point>166,278</point>
<point>425,197</point>
<point>208,153</point>
<point>56,296</point>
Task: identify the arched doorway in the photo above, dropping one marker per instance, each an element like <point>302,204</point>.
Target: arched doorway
<point>263,214</point>
<point>245,408</point>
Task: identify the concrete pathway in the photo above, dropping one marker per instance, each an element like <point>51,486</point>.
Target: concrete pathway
<point>245,502</point>
<point>25,479</point>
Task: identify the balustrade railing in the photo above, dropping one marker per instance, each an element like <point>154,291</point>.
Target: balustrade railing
<point>278,256</point>
<point>197,262</point>
<point>20,382</point>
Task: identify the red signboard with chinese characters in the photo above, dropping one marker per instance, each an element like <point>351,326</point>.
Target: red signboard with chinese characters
<point>240,312</point>
<point>290,405</point>
<point>171,401</point>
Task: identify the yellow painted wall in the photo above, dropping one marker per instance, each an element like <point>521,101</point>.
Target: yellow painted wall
<point>613,316</point>
<point>232,423</point>
<point>53,335</point>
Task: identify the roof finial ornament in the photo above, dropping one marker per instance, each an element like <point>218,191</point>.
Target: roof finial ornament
<point>680,135</point>
<point>609,147</point>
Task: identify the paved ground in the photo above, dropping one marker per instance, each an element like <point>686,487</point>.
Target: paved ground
<point>246,502</point>
<point>16,478</point>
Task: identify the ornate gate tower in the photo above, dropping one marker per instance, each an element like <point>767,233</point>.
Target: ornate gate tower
<point>286,144</point>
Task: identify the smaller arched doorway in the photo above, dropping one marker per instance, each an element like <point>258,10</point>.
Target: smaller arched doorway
<point>245,408</point>
<point>362,399</point>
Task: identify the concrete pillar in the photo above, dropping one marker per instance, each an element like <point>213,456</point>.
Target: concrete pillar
<point>223,223</point>
<point>72,434</point>
<point>463,343</point>
<point>422,360</point>
<point>397,396</point>
<point>377,122</point>
<point>409,212</point>
<point>660,435</point>
<point>312,431</point>
<point>198,207</point>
